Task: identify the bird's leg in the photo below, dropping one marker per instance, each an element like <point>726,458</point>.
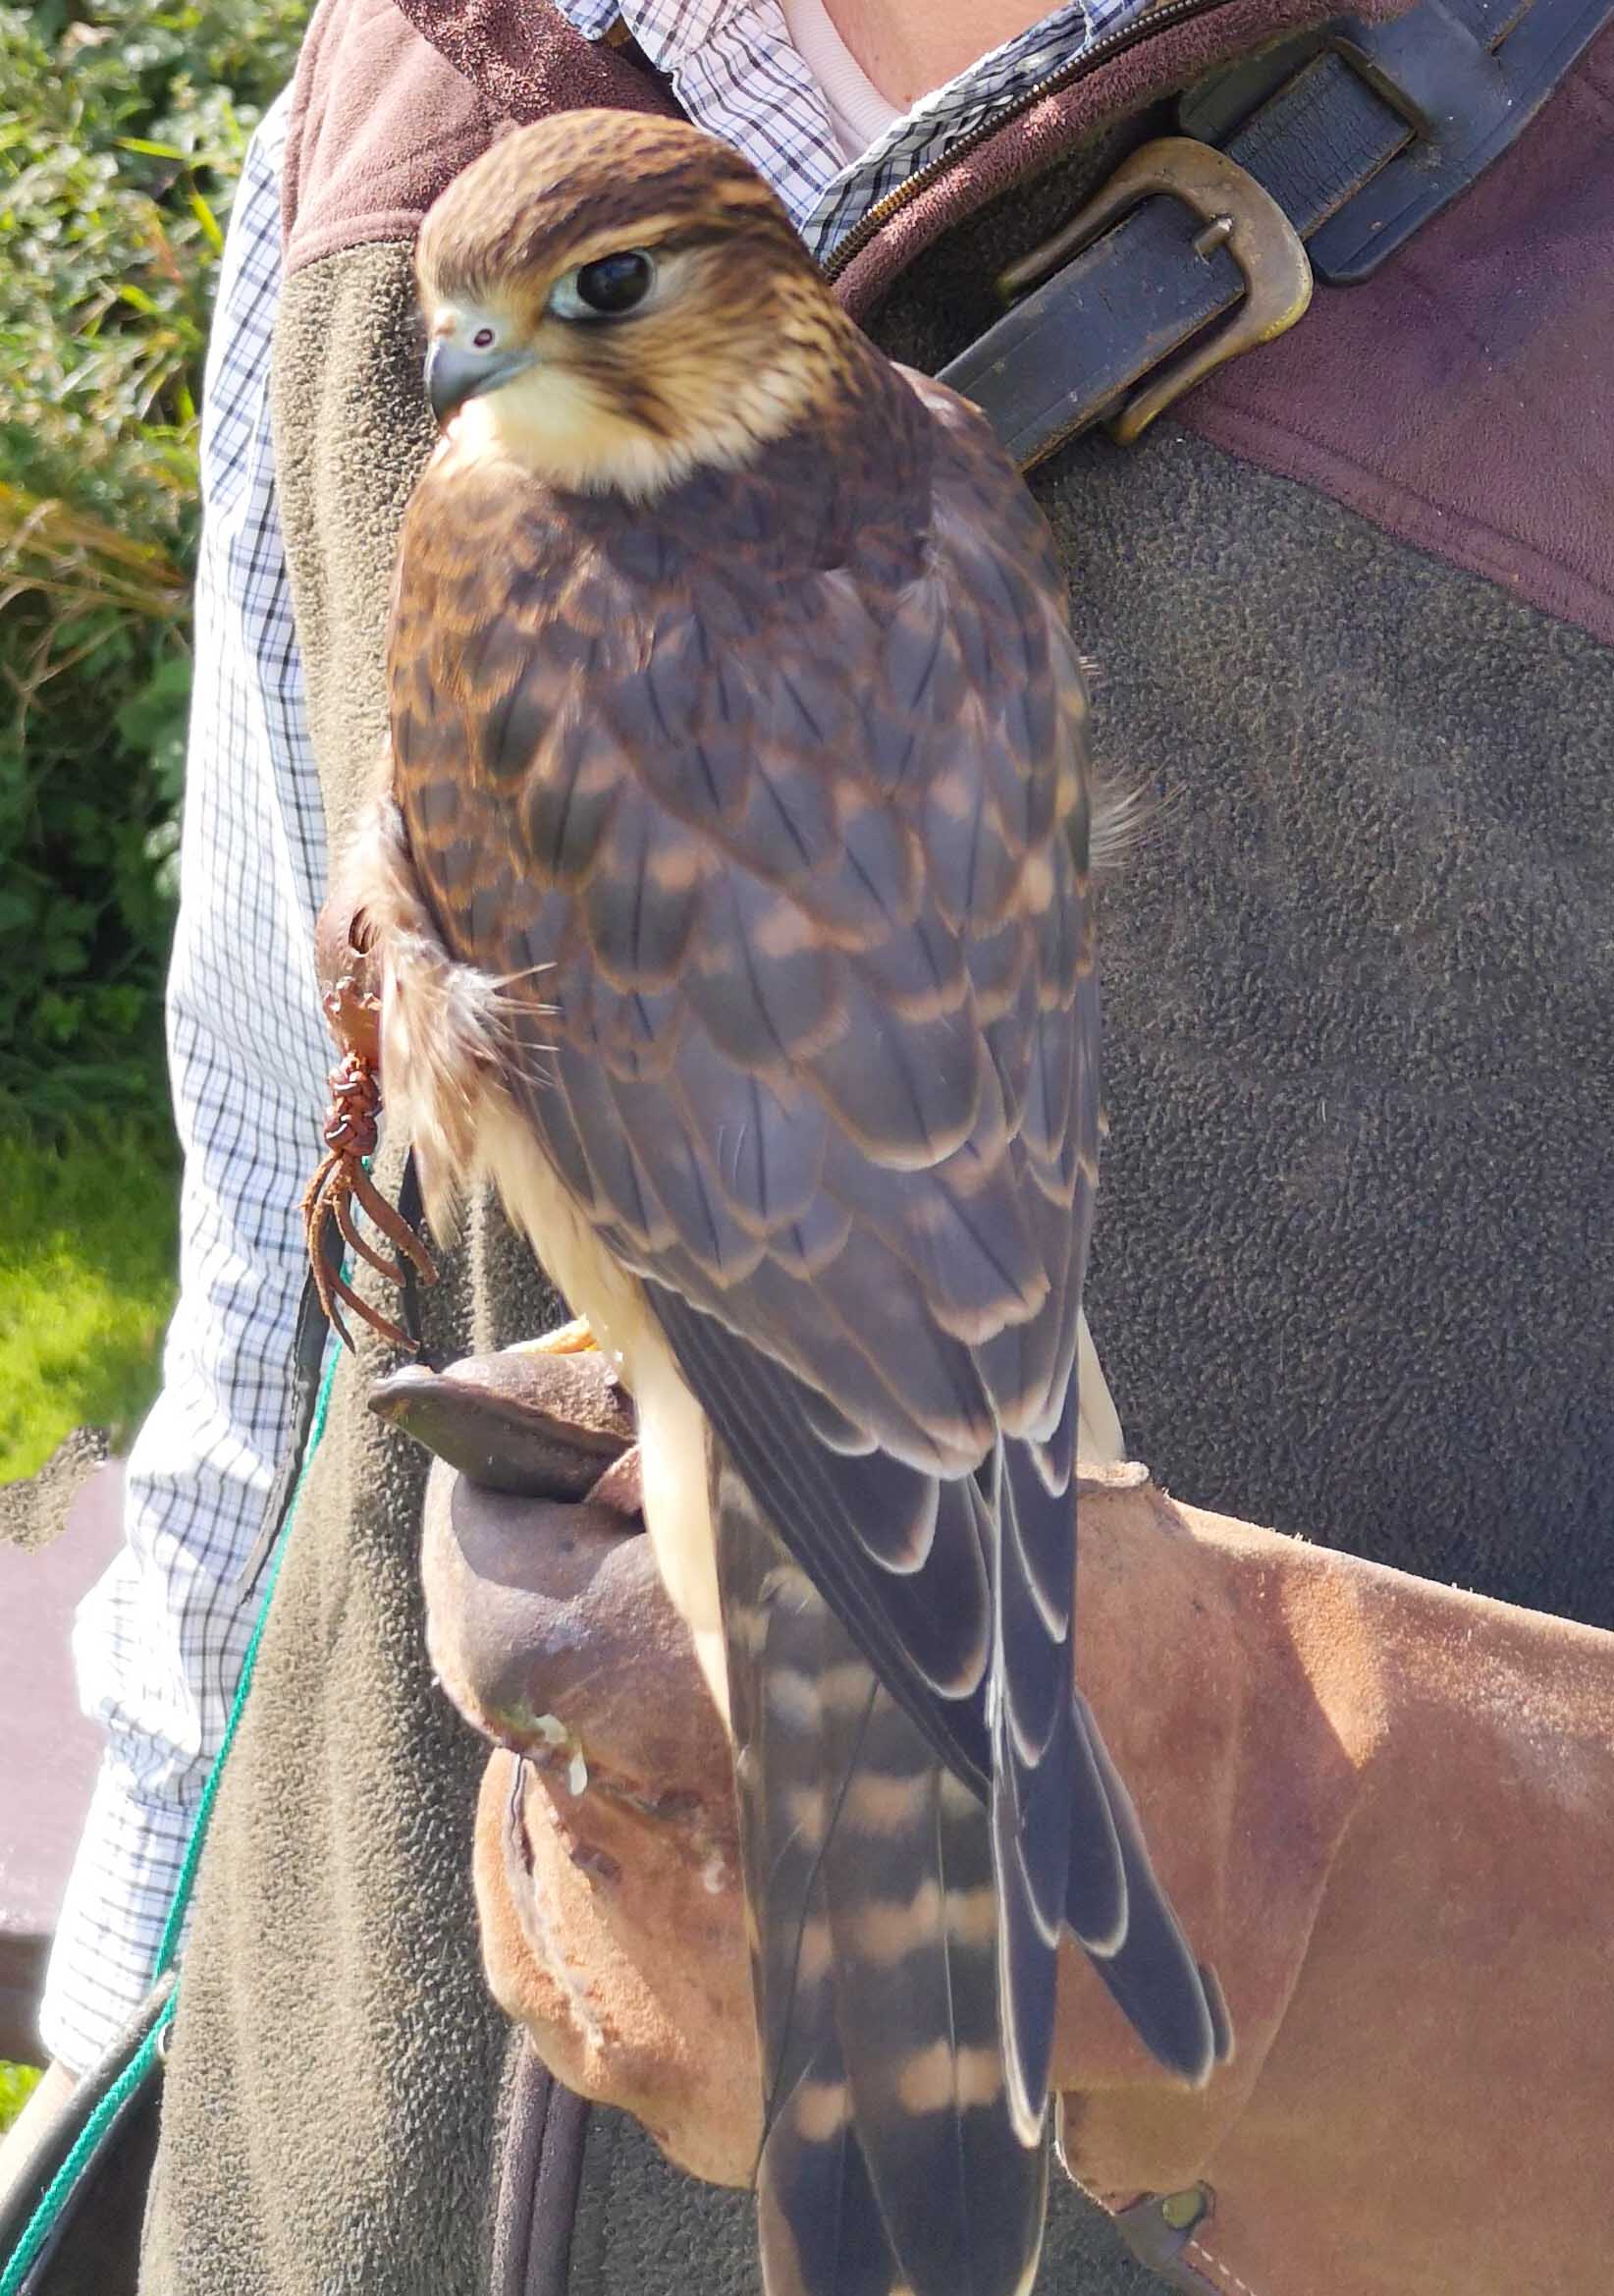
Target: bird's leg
<point>342,1210</point>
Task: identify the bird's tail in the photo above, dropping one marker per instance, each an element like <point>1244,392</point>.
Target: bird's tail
<point>1069,1850</point>
<point>889,2157</point>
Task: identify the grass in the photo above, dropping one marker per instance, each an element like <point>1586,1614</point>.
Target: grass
<point>16,2083</point>
<point>87,1288</point>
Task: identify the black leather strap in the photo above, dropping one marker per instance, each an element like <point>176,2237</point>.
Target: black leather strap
<point>307,1368</point>
<point>1359,133</point>
<point>1065,355</point>
<point>539,2177</point>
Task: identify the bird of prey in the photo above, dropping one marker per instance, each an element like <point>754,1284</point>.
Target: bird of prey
<point>731,879</point>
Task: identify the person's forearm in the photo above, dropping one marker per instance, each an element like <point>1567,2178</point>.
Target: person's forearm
<point>1376,1801</point>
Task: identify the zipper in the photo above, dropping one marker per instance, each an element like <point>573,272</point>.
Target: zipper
<point>1113,44</point>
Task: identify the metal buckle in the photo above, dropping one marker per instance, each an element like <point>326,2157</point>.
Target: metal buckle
<point>1234,213</point>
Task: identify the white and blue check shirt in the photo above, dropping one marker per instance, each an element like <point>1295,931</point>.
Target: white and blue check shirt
<point>159,1641</point>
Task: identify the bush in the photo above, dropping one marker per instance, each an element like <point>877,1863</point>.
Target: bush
<point>86,1285</point>
<point>119,149</point>
<point>17,2085</point>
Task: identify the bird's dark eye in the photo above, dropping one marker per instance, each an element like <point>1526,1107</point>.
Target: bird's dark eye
<point>482,340</point>
<point>605,288</point>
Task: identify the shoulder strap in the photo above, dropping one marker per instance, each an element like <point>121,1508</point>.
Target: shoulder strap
<point>1324,154</point>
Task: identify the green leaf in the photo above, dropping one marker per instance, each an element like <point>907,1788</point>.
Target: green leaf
<point>205,217</point>
<point>160,706</point>
<point>121,135</point>
<point>17,2085</point>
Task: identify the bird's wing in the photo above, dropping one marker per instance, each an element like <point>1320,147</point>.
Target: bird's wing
<point>781,884</point>
<point>786,884</point>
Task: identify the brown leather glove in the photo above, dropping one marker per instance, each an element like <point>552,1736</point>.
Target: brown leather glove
<point>1385,1808</point>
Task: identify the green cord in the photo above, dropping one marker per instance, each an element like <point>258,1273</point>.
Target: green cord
<point>59,2192</point>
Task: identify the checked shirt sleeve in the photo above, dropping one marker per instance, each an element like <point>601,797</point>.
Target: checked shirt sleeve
<point>159,1642</point>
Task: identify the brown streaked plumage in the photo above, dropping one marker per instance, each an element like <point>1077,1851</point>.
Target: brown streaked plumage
<point>732,880</point>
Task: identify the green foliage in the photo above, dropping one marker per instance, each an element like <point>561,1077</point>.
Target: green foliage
<point>86,1285</point>
<point>120,143</point>
<point>17,2085</point>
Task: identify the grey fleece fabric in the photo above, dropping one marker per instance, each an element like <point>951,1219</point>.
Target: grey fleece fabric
<point>1351,1272</point>
<point>1354,1273</point>
<point>334,2078</point>
<point>351,434</point>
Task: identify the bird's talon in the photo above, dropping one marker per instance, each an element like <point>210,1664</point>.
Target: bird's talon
<point>573,1339</point>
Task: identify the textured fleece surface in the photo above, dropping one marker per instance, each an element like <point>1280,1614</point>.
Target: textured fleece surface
<point>333,2085</point>
<point>1352,1274</point>
<point>352,431</point>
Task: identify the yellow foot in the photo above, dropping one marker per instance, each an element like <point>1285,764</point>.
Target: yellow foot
<point>573,1339</point>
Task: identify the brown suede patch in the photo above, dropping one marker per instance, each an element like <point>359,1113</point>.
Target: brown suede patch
<point>380,122</point>
<point>526,61</point>
<point>384,117</point>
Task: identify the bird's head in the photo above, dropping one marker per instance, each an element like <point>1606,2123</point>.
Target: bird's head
<point>615,301</point>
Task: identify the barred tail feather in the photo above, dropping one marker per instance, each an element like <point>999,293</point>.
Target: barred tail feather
<point>890,2160</point>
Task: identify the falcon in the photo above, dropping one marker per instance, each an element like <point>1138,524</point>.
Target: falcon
<point>730,884</point>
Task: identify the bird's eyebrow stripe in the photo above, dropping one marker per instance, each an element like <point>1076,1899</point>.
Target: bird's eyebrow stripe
<point>666,232</point>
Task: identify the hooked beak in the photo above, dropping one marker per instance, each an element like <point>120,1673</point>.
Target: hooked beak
<point>455,373</point>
